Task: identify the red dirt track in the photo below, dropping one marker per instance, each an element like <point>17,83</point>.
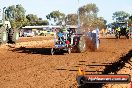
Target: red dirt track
<point>28,64</point>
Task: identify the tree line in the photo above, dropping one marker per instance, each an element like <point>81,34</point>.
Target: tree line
<point>16,15</point>
<point>88,15</point>
<point>121,17</point>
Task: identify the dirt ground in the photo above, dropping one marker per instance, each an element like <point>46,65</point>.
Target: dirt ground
<point>28,64</point>
<point>127,69</point>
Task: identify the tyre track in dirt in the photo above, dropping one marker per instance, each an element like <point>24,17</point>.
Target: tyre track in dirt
<point>127,69</point>
<point>112,69</point>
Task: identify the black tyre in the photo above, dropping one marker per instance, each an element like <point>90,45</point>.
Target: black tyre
<point>82,45</point>
<point>13,35</point>
<point>3,36</point>
<point>81,80</point>
<point>117,35</point>
<point>127,34</point>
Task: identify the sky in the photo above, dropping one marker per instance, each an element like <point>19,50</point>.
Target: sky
<point>44,7</point>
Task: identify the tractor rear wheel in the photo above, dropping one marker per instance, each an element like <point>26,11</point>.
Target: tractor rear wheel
<point>82,45</point>
<point>13,35</point>
<point>3,36</point>
<point>127,34</point>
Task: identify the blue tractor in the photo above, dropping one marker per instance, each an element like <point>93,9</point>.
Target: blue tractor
<point>71,41</point>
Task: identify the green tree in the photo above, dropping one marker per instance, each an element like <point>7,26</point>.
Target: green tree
<point>89,10</point>
<point>130,17</point>
<point>35,20</point>
<point>71,19</point>
<point>32,19</point>
<point>119,16</point>
<point>130,21</point>
<point>42,22</point>
<point>88,17</point>
<point>16,15</point>
<point>57,16</point>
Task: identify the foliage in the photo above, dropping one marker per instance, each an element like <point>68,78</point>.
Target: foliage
<point>120,16</point>
<point>130,17</point>
<point>89,19</point>
<point>42,22</point>
<point>89,10</point>
<point>71,19</point>
<point>130,21</point>
<point>16,15</point>
<point>87,13</point>
<point>57,17</point>
<point>34,20</point>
